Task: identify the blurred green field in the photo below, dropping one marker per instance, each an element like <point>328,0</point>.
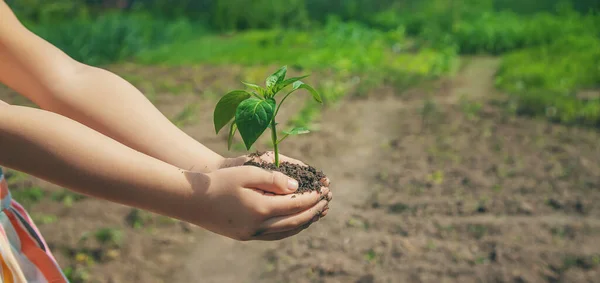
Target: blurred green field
<point>549,50</point>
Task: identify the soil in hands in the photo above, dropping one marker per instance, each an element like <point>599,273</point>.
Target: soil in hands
<point>308,177</point>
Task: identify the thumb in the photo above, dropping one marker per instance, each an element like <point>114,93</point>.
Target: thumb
<point>268,181</point>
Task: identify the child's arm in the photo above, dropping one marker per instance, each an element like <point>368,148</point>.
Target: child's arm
<point>94,97</point>
<point>62,151</point>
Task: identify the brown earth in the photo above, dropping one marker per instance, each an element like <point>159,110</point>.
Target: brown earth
<point>309,178</point>
<point>429,186</point>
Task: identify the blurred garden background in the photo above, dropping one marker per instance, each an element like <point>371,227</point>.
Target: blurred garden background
<point>461,136</point>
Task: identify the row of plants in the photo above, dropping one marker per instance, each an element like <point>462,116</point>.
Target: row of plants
<point>488,31</point>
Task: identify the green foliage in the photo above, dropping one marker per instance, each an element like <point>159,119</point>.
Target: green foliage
<point>111,37</point>
<point>503,32</point>
<point>109,236</point>
<point>252,114</point>
<point>226,108</point>
<point>300,85</point>
<point>44,218</point>
<point>94,35</point>
<point>28,196</point>
<point>252,118</point>
<point>547,80</point>
<point>232,131</point>
<point>297,131</point>
<point>77,274</point>
<point>47,12</point>
<point>562,67</point>
<point>359,56</point>
<point>346,48</point>
<point>476,27</point>
<point>244,14</point>
<point>400,43</point>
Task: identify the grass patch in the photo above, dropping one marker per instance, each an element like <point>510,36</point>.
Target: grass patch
<point>67,197</point>
<point>344,47</point>
<point>28,196</point>
<point>475,27</point>
<point>44,218</point>
<point>546,81</point>
<point>109,236</point>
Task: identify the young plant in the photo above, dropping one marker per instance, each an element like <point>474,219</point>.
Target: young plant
<point>252,112</point>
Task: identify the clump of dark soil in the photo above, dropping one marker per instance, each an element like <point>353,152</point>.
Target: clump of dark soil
<point>308,177</point>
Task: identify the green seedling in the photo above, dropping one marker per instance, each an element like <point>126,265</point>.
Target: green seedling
<point>252,112</point>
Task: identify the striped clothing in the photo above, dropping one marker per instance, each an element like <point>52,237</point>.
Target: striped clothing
<point>24,255</point>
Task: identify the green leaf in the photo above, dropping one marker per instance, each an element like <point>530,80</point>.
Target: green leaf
<point>276,77</point>
<point>253,116</point>
<point>257,88</point>
<point>287,82</point>
<point>315,94</point>
<point>232,130</point>
<point>297,131</point>
<point>226,107</point>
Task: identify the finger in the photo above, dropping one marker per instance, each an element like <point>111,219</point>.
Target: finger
<point>288,205</point>
<point>269,181</point>
<point>280,236</point>
<point>325,182</point>
<point>324,212</point>
<point>291,222</point>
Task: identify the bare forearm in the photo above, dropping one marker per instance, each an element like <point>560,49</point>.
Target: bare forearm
<point>94,97</point>
<point>109,104</point>
<point>64,152</point>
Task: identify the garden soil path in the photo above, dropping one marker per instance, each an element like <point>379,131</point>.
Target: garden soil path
<point>360,148</point>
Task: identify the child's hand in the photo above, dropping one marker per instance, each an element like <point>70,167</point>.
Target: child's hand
<point>270,157</point>
<point>249,203</point>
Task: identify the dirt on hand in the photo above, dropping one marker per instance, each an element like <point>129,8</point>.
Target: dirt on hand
<point>309,179</point>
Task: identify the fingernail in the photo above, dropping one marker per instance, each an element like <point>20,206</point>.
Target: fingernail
<point>292,184</point>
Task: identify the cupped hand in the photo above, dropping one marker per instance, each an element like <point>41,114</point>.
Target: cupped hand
<point>269,157</point>
<point>249,203</point>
